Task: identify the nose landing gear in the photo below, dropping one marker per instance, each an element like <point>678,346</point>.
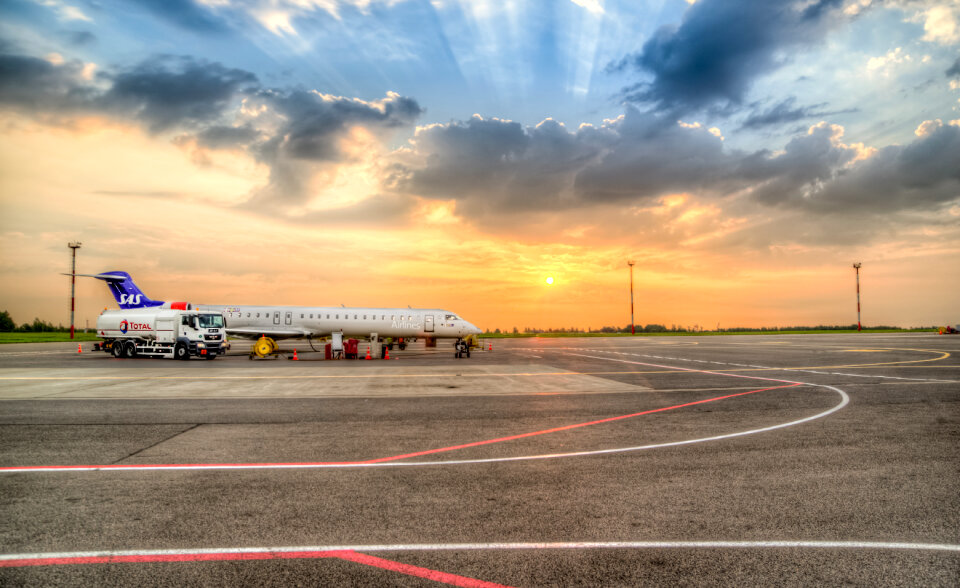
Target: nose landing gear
<point>462,348</point>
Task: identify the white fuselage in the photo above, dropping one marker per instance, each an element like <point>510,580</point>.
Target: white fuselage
<point>322,321</point>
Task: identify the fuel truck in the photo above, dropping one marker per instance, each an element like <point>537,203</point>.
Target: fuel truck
<point>176,333</point>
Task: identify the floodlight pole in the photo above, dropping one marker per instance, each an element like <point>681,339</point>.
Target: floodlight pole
<point>633,330</point>
<point>73,280</point>
<point>856,267</point>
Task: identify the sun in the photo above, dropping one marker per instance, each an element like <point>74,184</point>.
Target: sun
<point>550,281</point>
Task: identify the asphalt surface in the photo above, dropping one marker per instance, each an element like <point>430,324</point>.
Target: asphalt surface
<point>800,459</point>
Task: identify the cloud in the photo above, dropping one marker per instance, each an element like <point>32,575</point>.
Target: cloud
<point>313,118</point>
<point>785,112</point>
<point>720,48</point>
<point>940,23</point>
<point>166,91</point>
<point>224,137</point>
<point>79,38</point>
<point>38,85</point>
<point>954,70</point>
<point>492,165</point>
<point>493,168</point>
<point>65,11</point>
<point>186,14</point>
<point>315,131</point>
<point>820,174</point>
<point>651,157</point>
<point>302,136</point>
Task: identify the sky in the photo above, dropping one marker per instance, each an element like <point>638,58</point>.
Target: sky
<point>456,153</point>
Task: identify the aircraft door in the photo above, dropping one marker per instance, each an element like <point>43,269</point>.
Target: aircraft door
<point>276,317</point>
<point>428,323</point>
<point>289,318</point>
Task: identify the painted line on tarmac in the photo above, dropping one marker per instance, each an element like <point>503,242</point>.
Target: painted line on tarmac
<point>394,459</point>
<point>844,400</point>
<point>293,377</point>
<point>791,369</point>
<point>569,427</point>
<point>943,355</point>
<point>166,556</point>
<point>358,552</point>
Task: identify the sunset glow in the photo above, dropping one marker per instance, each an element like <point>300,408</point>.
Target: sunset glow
<point>449,154</point>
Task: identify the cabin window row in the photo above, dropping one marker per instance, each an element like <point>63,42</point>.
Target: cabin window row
<point>383,317</point>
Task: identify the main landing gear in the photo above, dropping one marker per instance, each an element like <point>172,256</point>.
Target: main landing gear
<point>462,348</point>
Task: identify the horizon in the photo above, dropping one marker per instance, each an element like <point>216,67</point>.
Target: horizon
<point>453,154</point>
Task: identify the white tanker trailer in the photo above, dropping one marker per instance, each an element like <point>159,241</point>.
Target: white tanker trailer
<point>161,332</point>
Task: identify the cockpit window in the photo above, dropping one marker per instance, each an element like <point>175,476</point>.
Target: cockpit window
<point>452,317</point>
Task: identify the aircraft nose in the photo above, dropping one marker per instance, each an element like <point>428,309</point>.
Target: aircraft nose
<point>473,329</point>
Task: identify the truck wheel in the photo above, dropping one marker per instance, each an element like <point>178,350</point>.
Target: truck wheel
<point>130,349</point>
<point>181,352</point>
<point>402,346</point>
<point>117,349</point>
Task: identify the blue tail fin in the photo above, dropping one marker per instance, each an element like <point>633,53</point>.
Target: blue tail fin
<point>125,291</point>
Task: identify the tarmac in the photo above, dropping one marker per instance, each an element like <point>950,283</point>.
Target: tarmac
<point>698,460</point>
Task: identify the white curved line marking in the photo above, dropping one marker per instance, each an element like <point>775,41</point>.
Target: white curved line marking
<point>844,400</point>
<point>948,547</point>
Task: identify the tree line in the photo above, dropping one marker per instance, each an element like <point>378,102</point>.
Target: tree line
<point>7,325</point>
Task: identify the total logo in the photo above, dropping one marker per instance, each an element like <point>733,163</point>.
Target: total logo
<point>130,298</point>
<point>126,326</point>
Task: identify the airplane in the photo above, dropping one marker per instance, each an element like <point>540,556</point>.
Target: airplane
<point>308,322</point>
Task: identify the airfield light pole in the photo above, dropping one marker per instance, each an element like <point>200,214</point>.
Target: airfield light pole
<point>633,330</point>
<point>73,280</point>
<point>856,267</point>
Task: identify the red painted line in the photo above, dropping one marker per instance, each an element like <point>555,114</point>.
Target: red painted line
<point>568,427</point>
<point>166,557</point>
<point>419,572</point>
<point>394,457</point>
<point>353,556</point>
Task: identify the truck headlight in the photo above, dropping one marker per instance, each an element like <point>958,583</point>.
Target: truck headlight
<point>201,346</point>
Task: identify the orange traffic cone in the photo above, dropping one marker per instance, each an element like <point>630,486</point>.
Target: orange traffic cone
<point>386,352</point>
<point>295,355</point>
<point>491,346</point>
<point>79,348</point>
<point>368,352</point>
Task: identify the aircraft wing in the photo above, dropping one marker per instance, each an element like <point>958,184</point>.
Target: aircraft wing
<point>250,333</point>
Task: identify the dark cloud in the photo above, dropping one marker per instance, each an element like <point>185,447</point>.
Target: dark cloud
<point>223,137</point>
<point>786,112</point>
<point>490,165</point>
<point>170,91</point>
<point>79,38</point>
<point>494,168</point>
<point>312,137</point>
<point>313,119</point>
<point>164,92</point>
<point>38,85</point>
<point>185,14</point>
<point>651,157</point>
<point>818,173</point>
<point>917,176</point>
<point>954,70</point>
<point>713,56</point>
